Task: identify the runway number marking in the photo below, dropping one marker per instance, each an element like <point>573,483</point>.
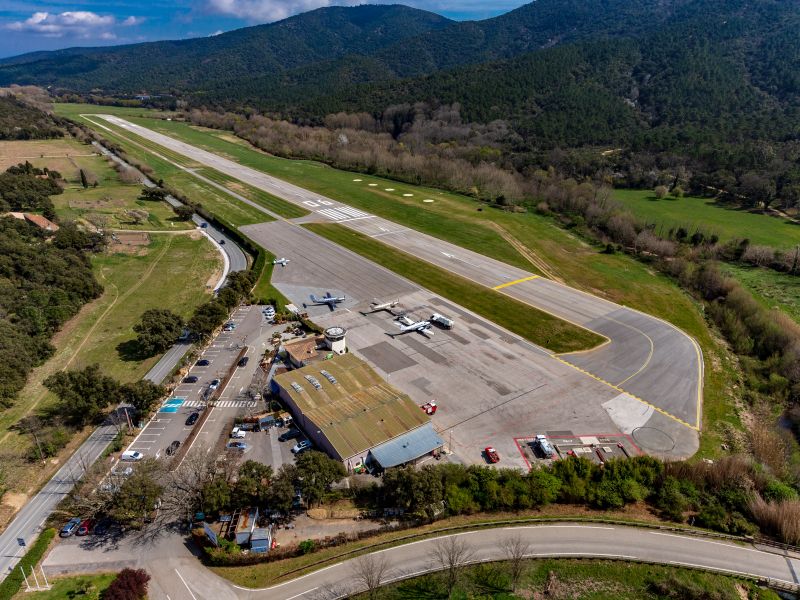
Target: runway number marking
<point>310,203</point>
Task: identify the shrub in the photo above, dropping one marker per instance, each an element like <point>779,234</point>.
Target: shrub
<point>130,584</point>
<point>307,546</point>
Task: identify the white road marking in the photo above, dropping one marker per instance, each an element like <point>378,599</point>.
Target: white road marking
<point>302,593</point>
<point>186,584</point>
<point>735,546</point>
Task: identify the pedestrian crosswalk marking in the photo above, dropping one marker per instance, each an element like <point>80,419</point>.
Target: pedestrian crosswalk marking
<point>340,213</point>
<point>223,404</point>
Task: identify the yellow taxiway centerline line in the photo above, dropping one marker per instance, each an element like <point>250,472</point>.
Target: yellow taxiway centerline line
<point>515,282</point>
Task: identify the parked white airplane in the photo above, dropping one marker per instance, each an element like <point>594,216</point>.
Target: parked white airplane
<point>280,261</point>
<point>376,306</point>
<point>423,327</point>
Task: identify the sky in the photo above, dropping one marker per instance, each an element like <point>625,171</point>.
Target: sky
<point>30,25</point>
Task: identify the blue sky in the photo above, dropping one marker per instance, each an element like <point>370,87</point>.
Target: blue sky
<point>26,26</point>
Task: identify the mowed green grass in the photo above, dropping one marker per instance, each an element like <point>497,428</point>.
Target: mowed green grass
<point>463,221</point>
<point>708,217</point>
<point>537,326</point>
<point>73,588</point>
<point>579,580</point>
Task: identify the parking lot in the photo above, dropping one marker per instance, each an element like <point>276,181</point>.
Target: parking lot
<point>169,424</point>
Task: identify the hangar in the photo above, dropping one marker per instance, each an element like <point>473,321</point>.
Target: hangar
<point>350,412</point>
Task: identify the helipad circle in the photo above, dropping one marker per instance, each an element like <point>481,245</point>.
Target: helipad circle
<point>653,439</point>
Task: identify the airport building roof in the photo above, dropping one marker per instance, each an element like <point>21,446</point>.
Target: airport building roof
<point>407,447</point>
<point>351,404</point>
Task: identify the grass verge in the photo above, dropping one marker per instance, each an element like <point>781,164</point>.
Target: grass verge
<point>524,320</point>
<point>578,580</point>
<point>14,581</point>
<point>81,586</point>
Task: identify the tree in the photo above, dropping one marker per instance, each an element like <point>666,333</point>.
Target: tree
<point>84,181</point>
<point>184,212</point>
<point>157,330</point>
<point>130,584</point>
<point>451,555</point>
<point>83,394</point>
<point>515,551</point>
<point>316,473</point>
<point>142,394</point>
<point>370,571</point>
<point>207,317</point>
<point>280,494</point>
<point>252,484</point>
<point>138,494</point>
<point>154,194</point>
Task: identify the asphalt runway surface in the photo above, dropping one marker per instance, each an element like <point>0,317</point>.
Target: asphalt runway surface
<point>647,359</point>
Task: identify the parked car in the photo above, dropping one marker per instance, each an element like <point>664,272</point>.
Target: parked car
<point>192,419</point>
<point>86,527</point>
<point>173,448</point>
<point>214,384</point>
<point>491,455</point>
<point>203,225</point>
<point>289,435</point>
<point>241,446</point>
<point>238,433</point>
<point>131,455</point>
<point>103,526</point>
<point>543,445</point>
<point>243,361</point>
<point>301,447</point>
<point>71,527</point>
<point>190,379</point>
<point>203,362</point>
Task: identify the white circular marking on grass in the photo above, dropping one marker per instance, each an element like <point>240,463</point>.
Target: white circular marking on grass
<point>357,179</point>
<point>372,184</point>
<point>408,195</point>
<point>388,189</point>
<point>427,200</point>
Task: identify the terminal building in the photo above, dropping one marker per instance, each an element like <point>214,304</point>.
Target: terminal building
<point>348,411</point>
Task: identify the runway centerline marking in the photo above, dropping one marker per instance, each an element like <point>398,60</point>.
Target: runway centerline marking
<point>515,282</point>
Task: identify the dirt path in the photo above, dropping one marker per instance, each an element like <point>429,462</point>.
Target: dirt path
<point>526,253</point>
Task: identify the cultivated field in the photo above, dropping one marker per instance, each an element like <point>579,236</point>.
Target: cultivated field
<point>708,217</point>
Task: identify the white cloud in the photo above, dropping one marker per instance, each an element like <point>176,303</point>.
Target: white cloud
<point>271,10</point>
<point>217,32</point>
<point>78,24</point>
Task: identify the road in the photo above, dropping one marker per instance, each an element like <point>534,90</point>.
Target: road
<point>647,361</point>
<point>178,575</point>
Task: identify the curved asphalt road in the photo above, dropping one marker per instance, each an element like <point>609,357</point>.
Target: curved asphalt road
<point>656,368</point>
<point>184,578</point>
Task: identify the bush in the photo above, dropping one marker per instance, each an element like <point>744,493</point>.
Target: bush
<point>130,584</point>
<point>307,546</point>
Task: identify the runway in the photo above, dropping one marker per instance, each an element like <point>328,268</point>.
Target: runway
<point>646,360</point>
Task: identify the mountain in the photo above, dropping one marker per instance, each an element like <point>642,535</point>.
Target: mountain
<point>160,67</point>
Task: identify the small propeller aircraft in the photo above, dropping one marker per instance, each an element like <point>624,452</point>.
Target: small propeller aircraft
<point>423,327</point>
<point>280,261</point>
<point>328,300</point>
<point>378,306</point>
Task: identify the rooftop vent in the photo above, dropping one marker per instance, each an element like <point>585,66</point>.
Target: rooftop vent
<point>313,381</point>
<point>296,387</point>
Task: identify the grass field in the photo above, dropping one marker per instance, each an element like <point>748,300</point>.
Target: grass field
<point>702,213</point>
<point>526,240</point>
<point>172,272</point>
<point>524,320</point>
<point>772,289</point>
<point>90,587</point>
<point>104,205</point>
<point>579,580</point>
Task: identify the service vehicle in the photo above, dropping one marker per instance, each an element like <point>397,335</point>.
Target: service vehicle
<point>442,321</point>
<point>301,447</point>
<point>237,433</point>
<point>430,408</point>
<point>491,454</point>
<point>544,446</point>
